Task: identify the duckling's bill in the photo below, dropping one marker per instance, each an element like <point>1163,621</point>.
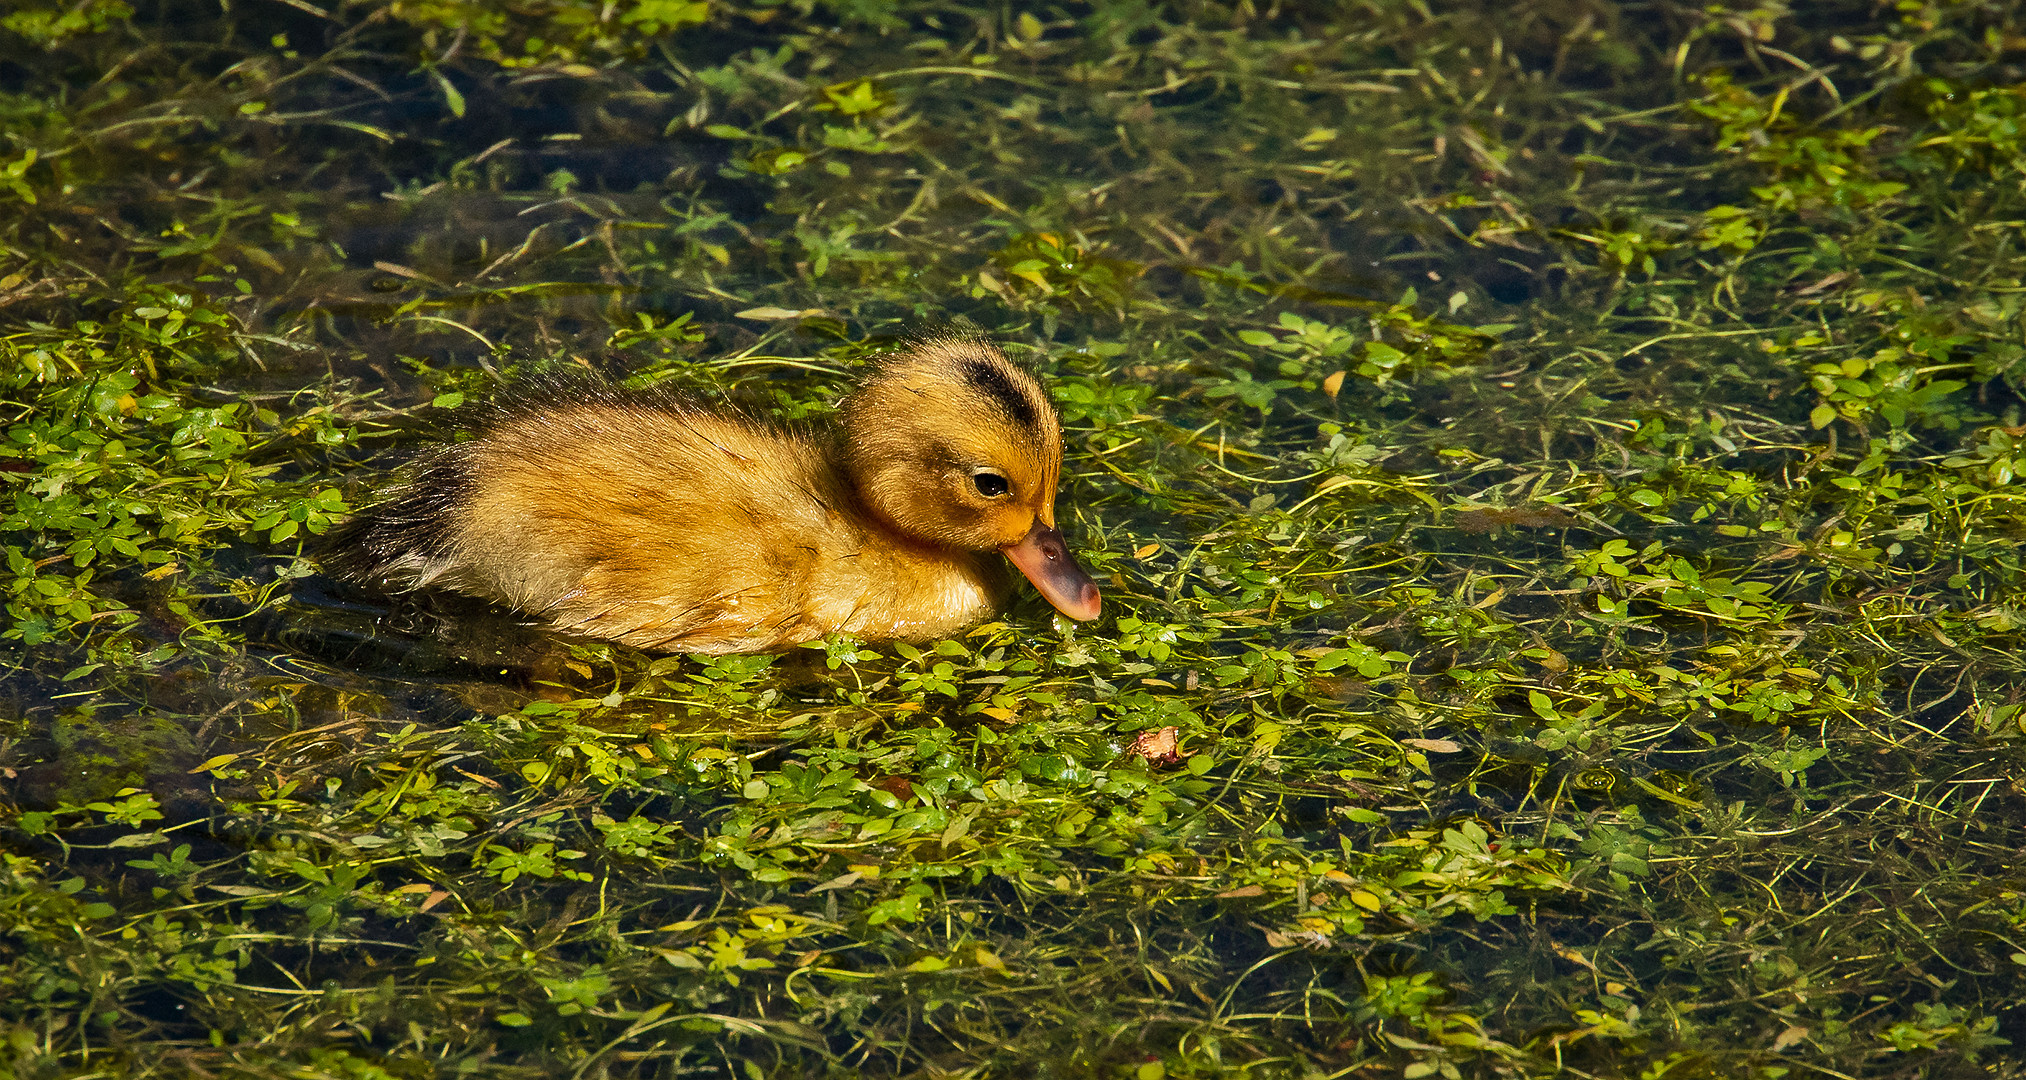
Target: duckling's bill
<point>1045,559</point>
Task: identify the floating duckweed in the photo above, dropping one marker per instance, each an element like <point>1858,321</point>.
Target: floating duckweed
<point>1553,474</point>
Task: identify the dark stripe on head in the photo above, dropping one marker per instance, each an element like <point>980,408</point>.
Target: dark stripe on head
<point>993,381</point>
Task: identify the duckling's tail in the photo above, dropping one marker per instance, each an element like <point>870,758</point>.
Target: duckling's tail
<point>407,539</point>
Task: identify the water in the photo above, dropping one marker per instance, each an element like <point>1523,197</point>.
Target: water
<point>1561,504</point>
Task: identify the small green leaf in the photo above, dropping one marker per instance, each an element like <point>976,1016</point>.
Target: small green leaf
<point>451,98</point>
<point>1542,704</point>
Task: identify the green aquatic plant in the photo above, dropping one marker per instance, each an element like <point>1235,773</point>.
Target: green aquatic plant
<point>1553,473</point>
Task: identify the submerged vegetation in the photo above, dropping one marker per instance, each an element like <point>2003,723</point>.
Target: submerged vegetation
<point>1555,469</point>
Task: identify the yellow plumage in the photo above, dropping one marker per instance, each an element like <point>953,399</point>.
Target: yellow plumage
<point>667,525</point>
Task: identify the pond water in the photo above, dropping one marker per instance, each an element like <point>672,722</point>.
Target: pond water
<point>1551,467</point>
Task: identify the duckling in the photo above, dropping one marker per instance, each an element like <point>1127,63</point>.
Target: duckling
<point>671,526</point>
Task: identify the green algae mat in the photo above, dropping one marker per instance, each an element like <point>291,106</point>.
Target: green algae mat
<point>1555,469</point>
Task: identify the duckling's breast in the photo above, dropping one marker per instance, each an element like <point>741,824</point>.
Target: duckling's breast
<point>888,591</point>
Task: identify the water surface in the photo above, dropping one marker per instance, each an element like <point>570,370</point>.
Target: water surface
<point>1551,468</point>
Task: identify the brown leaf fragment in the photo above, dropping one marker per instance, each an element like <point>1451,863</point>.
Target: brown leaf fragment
<point>1573,956</point>
<point>1161,748</point>
<point>1830,282</point>
<point>900,787</point>
<point>841,881</point>
<point>1483,519</point>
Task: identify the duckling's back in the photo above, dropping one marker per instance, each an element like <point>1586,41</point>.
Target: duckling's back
<point>668,526</point>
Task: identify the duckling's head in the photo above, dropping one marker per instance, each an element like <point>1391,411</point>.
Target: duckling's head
<point>954,444</point>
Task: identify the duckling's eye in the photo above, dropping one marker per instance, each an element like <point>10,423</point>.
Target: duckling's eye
<point>990,484</point>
